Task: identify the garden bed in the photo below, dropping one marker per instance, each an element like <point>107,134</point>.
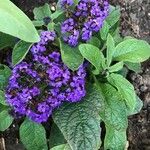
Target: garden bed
<point>135,22</point>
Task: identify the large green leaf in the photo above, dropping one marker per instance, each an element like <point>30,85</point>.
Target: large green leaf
<point>115,112</point>
<point>16,23</point>
<point>71,56</point>
<point>132,50</point>
<point>93,55</point>
<point>5,73</point>
<point>125,88</point>
<point>5,119</point>
<point>80,122</point>
<point>33,136</point>
<point>19,52</point>
<point>115,139</point>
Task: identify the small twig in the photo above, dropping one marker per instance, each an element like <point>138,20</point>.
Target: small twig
<point>2,144</point>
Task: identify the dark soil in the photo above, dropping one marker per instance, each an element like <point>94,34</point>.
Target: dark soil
<point>135,22</point>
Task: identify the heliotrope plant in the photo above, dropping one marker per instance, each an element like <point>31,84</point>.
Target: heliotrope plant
<point>74,79</point>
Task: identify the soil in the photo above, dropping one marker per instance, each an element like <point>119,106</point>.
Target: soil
<point>135,22</point>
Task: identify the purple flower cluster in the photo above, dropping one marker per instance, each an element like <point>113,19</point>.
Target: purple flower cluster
<point>39,86</point>
<point>66,3</point>
<point>88,17</point>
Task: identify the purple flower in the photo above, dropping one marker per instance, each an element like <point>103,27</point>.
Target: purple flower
<point>66,3</point>
<point>87,18</point>
<point>38,86</point>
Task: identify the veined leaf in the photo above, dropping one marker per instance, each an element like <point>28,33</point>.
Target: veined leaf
<point>93,55</point>
<point>5,73</point>
<point>132,50</point>
<point>71,56</point>
<point>20,51</point>
<point>61,147</point>
<point>57,140</point>
<point>2,98</point>
<point>115,112</point>
<point>113,17</point>
<point>16,23</point>
<point>104,31</point>
<point>125,88</point>
<point>115,139</point>
<point>80,122</point>
<point>33,136</point>
<point>5,119</point>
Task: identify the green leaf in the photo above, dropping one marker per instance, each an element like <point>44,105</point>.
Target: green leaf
<point>33,136</point>
<point>6,40</point>
<point>61,147</point>
<point>113,17</point>
<point>136,67</point>
<point>56,137</point>
<point>94,41</point>
<point>138,107</point>
<point>38,23</point>
<point>51,26</point>
<point>125,88</point>
<point>110,49</point>
<point>2,98</point>
<point>115,139</point>
<point>14,22</point>
<point>56,14</point>
<point>71,56</point>
<point>93,55</point>
<point>116,67</point>
<point>57,140</point>
<point>132,50</point>
<point>80,122</point>
<point>115,112</point>
<point>124,72</point>
<point>41,12</point>
<point>104,31</point>
<point>5,73</point>
<point>116,36</point>
<point>5,119</point>
<point>20,51</point>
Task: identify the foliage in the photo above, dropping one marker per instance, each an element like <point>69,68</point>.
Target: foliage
<point>14,22</point>
<point>110,97</point>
